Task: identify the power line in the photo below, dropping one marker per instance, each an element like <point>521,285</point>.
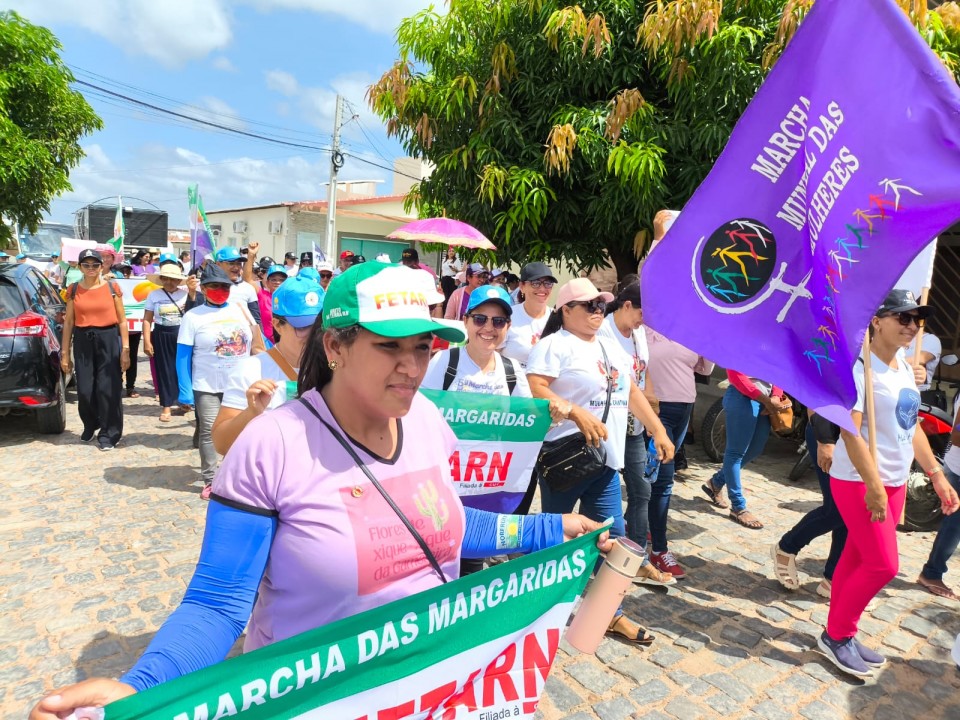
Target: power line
<point>382,167</point>
<point>181,167</point>
<point>200,121</point>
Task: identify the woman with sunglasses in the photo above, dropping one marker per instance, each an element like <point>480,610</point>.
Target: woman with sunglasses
<point>870,491</point>
<point>261,382</point>
<point>95,328</point>
<point>577,370</point>
<point>296,531</point>
<point>530,315</point>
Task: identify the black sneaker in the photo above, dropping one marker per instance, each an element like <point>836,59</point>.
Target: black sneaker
<point>87,435</point>
<point>106,446</point>
<point>843,654</point>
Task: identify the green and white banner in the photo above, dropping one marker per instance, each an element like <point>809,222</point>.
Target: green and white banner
<point>477,648</point>
<point>499,438</point>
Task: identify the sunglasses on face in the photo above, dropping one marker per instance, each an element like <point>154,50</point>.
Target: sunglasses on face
<point>905,318</point>
<point>90,266</point>
<point>546,284</point>
<point>592,306</point>
<point>499,323</point>
<point>326,275</point>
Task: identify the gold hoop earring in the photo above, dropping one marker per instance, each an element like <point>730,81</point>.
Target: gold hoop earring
<point>333,364</point>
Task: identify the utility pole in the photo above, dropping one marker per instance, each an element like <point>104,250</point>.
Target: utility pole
<point>336,162</point>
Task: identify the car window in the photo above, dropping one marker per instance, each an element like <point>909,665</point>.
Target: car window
<point>11,302</point>
<point>29,283</point>
<point>48,293</point>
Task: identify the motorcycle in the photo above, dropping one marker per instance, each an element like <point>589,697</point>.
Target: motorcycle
<point>713,433</point>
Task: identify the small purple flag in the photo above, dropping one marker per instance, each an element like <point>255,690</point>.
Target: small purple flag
<point>843,168</point>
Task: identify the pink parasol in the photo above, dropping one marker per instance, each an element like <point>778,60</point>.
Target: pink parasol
<point>444,231</point>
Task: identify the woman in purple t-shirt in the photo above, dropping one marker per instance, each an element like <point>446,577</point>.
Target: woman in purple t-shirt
<point>293,517</point>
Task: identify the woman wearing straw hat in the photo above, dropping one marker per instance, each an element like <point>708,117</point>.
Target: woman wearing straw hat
<point>163,310</point>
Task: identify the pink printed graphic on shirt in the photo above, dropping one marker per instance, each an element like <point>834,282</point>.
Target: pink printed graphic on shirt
<point>386,551</point>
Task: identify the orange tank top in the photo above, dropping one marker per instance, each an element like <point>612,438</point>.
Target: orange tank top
<point>94,307</point>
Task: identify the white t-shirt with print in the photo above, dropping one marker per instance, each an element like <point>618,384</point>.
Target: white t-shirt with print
<point>523,334</point>
<point>247,372</point>
<point>897,402</point>
<point>931,344</point>
<point>470,378</point>
<point>581,379</point>
<point>635,347</point>
<point>221,337</point>
<point>165,312</point>
<point>243,292</point>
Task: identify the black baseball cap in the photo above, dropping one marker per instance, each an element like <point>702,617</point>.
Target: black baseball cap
<point>356,259</point>
<point>89,255</point>
<point>306,257</point>
<point>265,262</point>
<point>410,254</point>
<point>213,273</point>
<point>898,301</point>
<point>290,256</point>
<point>536,271</point>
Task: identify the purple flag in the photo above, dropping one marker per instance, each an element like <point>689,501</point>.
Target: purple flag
<point>843,168</point>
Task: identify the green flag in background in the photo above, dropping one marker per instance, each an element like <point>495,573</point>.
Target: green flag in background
<point>477,648</point>
<point>119,229</point>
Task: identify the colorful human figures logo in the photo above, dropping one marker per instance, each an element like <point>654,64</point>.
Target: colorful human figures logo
<point>845,254</point>
<point>738,260</point>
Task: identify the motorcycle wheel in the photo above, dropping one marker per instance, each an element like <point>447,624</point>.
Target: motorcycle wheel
<point>803,464</point>
<point>713,432</point>
<point>923,506</point>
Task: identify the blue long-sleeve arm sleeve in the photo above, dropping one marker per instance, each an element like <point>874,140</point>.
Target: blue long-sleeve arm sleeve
<point>487,534</point>
<point>184,374</point>
<point>218,601</point>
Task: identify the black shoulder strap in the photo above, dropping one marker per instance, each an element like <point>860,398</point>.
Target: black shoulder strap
<point>453,361</point>
<point>431,558</point>
<point>73,291</point>
<point>113,288</point>
<point>510,373</point>
<point>606,369</point>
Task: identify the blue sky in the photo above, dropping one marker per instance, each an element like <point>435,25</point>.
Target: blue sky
<point>276,62</point>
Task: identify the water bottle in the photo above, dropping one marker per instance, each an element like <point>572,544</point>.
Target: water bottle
<point>614,579</point>
<point>653,462</point>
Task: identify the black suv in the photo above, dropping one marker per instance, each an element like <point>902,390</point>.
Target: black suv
<point>31,327</point>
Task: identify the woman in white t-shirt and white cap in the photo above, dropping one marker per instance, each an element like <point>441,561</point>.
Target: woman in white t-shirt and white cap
<point>869,492</point>
<point>573,368</point>
<point>260,382</point>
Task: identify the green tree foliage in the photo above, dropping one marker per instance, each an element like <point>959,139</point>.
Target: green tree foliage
<point>560,130</point>
<point>41,122</point>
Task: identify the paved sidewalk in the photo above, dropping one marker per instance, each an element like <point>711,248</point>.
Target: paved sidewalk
<point>98,548</point>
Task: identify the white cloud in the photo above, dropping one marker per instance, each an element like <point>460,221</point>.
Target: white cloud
<point>282,82</point>
<point>160,174</point>
<point>378,15</point>
<point>170,31</point>
<point>216,110</point>
<point>223,63</point>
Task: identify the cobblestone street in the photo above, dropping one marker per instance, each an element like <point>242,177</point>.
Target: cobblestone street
<point>98,548</point>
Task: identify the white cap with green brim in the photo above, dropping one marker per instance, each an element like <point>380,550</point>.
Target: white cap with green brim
<point>388,300</point>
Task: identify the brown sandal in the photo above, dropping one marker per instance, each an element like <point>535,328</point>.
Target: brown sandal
<point>715,495</point>
<point>937,587</point>
<point>746,518</point>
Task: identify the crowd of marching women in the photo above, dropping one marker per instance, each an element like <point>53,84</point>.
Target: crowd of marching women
<point>306,381</point>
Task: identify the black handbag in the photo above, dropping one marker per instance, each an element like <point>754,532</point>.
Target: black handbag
<point>567,461</point>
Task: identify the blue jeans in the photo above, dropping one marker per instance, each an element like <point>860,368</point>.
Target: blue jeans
<point>599,499</point>
<point>824,519</point>
<point>747,433</point>
<point>947,540</point>
<point>638,489</point>
<point>675,417</point>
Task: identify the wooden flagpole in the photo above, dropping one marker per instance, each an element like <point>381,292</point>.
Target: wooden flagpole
<point>869,404</point>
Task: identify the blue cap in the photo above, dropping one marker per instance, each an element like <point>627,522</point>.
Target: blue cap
<point>54,255</point>
<point>274,269</point>
<point>298,300</point>
<point>490,293</point>
<point>309,273</point>
<point>228,254</point>
<point>167,258</point>
<point>21,256</point>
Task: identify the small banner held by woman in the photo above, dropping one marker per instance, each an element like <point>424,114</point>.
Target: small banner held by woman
<point>498,438</point>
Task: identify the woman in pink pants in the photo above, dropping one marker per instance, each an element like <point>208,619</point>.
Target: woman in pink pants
<point>869,492</point>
